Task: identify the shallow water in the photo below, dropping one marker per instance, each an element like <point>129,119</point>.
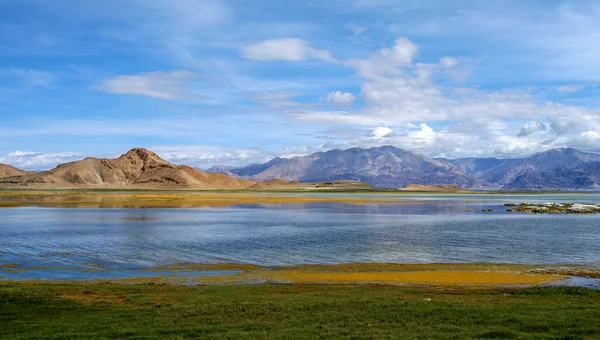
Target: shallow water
<point>437,229</point>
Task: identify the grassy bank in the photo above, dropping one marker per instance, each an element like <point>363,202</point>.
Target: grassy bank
<point>293,311</point>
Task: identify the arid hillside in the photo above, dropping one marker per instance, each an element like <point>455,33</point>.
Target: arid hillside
<point>10,171</point>
<point>137,169</point>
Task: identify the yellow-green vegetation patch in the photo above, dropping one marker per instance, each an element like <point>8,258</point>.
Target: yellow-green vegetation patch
<point>20,269</point>
<point>9,266</point>
<point>460,275</point>
<point>175,200</point>
<point>436,275</point>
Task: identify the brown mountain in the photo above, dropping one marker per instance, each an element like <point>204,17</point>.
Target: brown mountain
<point>10,171</point>
<point>137,169</point>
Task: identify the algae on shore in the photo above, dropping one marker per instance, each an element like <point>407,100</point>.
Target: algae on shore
<point>437,275</point>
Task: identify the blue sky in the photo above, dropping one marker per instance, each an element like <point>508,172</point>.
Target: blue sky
<point>232,82</point>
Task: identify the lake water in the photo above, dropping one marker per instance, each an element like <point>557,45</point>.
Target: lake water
<point>433,229</point>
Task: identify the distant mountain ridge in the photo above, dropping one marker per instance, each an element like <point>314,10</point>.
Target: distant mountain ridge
<point>386,167</point>
<point>556,169</point>
<point>390,167</point>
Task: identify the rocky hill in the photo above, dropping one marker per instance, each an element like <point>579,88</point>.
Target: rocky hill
<point>137,169</point>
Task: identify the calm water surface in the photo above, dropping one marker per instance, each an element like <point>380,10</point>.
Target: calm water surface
<point>434,229</point>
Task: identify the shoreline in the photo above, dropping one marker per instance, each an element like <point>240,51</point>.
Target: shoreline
<point>440,275</point>
<point>199,199</point>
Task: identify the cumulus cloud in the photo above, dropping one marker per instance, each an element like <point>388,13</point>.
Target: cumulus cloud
<point>339,97</point>
<point>205,156</point>
<point>289,49</point>
<point>381,131</point>
<point>483,137</point>
<point>162,85</point>
<point>398,91</point>
<point>531,127</point>
<point>37,161</point>
<point>386,61</point>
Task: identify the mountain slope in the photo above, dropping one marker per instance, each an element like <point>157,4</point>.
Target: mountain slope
<point>586,177</point>
<point>386,167</point>
<point>138,168</point>
<point>10,171</point>
<point>550,170</point>
<point>476,166</point>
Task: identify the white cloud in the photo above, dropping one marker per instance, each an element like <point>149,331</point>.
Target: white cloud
<point>37,161</point>
<point>381,131</point>
<point>530,128</point>
<point>387,60</point>
<point>163,85</point>
<point>589,138</point>
<point>425,135</point>
<point>479,138</point>
<point>205,156</point>
<point>448,62</point>
<point>289,49</point>
<point>482,123</point>
<point>570,88</point>
<point>533,39</point>
<point>276,99</point>
<point>338,97</point>
<point>397,90</point>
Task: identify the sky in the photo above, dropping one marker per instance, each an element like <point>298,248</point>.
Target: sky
<point>234,82</point>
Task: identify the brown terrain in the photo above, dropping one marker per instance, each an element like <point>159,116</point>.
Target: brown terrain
<point>10,171</point>
<point>436,188</point>
<point>137,169</point>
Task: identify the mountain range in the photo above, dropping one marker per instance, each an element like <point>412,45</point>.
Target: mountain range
<point>143,169</point>
<point>356,168</point>
<point>390,167</point>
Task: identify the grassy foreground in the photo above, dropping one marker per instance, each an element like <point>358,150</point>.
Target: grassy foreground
<point>59,311</point>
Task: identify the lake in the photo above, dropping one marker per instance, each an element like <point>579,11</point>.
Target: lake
<point>427,229</point>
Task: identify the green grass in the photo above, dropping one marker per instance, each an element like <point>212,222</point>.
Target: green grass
<point>57,311</point>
